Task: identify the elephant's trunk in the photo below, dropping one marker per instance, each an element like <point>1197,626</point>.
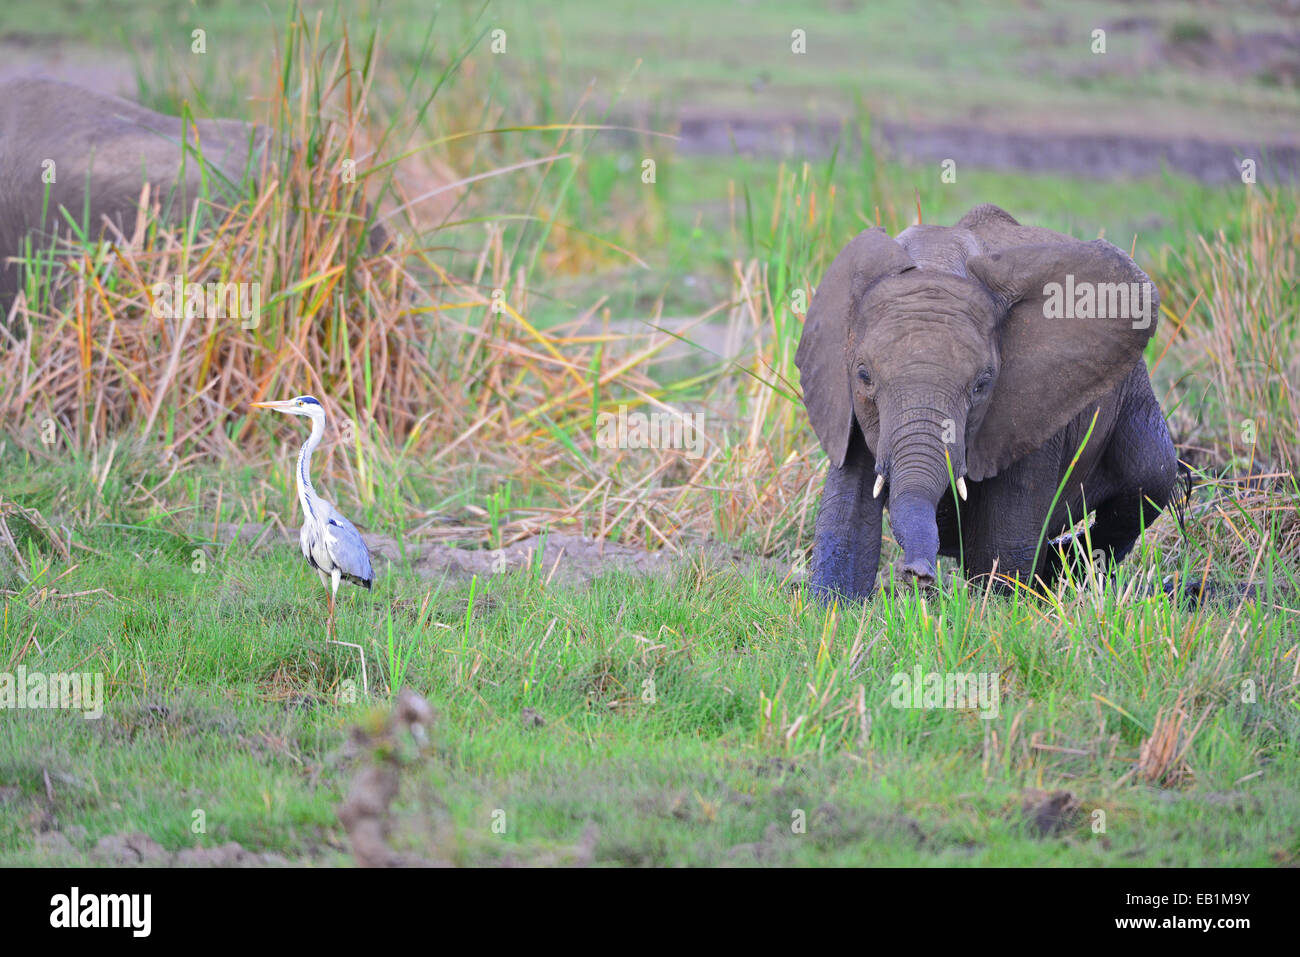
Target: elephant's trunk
<point>918,477</point>
<point>912,518</point>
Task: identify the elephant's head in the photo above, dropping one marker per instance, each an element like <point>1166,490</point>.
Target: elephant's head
<point>940,348</point>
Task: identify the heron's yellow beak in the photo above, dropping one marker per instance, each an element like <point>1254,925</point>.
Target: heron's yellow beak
<point>280,405</point>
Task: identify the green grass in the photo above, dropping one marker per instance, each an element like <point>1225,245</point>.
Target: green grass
<point>690,718</point>
<point>933,61</point>
<point>700,218</point>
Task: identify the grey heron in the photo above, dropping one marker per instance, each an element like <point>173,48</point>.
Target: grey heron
<point>330,543</point>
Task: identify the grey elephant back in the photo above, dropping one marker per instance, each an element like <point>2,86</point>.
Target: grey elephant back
<point>56,138</point>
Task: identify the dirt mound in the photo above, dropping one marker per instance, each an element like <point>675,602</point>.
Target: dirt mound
<point>560,556</point>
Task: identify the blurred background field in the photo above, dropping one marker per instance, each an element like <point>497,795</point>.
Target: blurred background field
<point>595,262</point>
<point>520,177</point>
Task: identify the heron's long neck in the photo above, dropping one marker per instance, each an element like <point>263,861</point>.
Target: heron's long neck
<point>307,494</point>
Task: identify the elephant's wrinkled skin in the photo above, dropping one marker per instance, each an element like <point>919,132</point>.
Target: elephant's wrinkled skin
<point>936,349</point>
<point>50,129</point>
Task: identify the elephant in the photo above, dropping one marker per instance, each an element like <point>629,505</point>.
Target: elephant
<point>62,146</point>
<point>985,382</point>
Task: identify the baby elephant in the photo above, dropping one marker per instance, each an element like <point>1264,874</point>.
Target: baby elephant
<point>64,147</point>
<point>962,376</point>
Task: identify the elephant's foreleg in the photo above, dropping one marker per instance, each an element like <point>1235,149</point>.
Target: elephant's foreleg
<point>846,543</point>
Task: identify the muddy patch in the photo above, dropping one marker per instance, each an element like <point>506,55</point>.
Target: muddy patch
<point>562,558</point>
<point>1088,155</point>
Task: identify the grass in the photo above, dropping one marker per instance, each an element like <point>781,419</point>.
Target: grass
<point>704,716</point>
<point>934,61</point>
<point>689,718</point>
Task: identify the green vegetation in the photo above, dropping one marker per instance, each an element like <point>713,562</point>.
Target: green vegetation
<point>699,716</point>
<point>684,717</point>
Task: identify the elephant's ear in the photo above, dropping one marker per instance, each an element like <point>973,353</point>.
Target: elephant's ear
<point>822,356</point>
<point>1077,317</point>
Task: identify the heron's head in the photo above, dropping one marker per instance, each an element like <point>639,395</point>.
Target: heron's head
<point>301,405</point>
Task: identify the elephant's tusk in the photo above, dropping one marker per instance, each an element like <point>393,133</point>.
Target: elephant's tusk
<point>961,487</point>
<point>880,483</point>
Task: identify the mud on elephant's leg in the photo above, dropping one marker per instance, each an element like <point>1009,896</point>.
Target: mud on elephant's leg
<point>846,543</point>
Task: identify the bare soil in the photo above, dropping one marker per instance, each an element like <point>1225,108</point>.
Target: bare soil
<point>565,558</point>
<point>1093,156</point>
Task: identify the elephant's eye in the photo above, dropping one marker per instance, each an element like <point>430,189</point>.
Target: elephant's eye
<point>982,383</point>
<point>864,375</point>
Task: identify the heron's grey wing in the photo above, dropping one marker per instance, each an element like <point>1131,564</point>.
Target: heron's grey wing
<point>346,548</point>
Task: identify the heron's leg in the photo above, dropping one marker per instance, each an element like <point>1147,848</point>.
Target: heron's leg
<point>335,577</point>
